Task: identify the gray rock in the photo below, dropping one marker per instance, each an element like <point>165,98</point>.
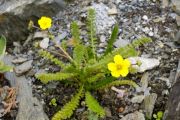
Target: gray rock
<point>112,11</point>
<point>103,38</point>
<point>121,42</point>
<point>19,60</point>
<point>102,45</point>
<point>173,104</point>
<point>134,2</point>
<point>60,37</point>
<point>103,21</point>
<point>145,17</point>
<point>14,15</point>
<point>138,99</point>
<point>146,30</point>
<point>165,3</point>
<point>19,70</point>
<point>145,63</point>
<point>176,6</point>
<point>52,85</point>
<point>44,43</point>
<point>40,34</point>
<point>118,1</point>
<point>177,38</point>
<point>122,7</point>
<point>172,15</point>
<point>166,80</point>
<point>151,34</point>
<point>148,105</point>
<point>29,107</point>
<point>144,80</point>
<point>144,85</point>
<point>178,20</point>
<point>134,116</point>
<point>136,19</point>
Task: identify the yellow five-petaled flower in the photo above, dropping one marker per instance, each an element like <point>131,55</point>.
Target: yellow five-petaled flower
<point>44,22</point>
<point>120,66</point>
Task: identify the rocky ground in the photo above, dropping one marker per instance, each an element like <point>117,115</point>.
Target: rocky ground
<point>156,19</point>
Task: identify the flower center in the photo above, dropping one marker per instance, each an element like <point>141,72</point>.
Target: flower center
<point>45,23</point>
<point>119,67</point>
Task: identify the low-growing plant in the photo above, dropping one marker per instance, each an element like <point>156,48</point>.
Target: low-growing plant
<point>53,102</point>
<point>3,67</point>
<point>158,116</point>
<point>89,71</point>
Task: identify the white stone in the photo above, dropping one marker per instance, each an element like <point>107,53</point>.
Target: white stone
<point>148,104</point>
<point>44,43</point>
<point>121,42</point>
<point>146,30</point>
<point>118,1</point>
<point>134,116</point>
<point>151,33</point>
<point>146,63</point>
<point>112,11</point>
<point>178,20</point>
<point>165,3</point>
<point>138,99</point>
<point>41,34</point>
<point>103,38</point>
<point>176,6</point>
<point>145,17</point>
<point>19,60</point>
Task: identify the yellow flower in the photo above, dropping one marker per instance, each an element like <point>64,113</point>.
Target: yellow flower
<point>119,67</point>
<point>44,22</point>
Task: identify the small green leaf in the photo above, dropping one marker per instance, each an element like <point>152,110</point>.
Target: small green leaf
<point>2,45</point>
<point>154,116</point>
<point>93,105</point>
<point>75,32</point>
<point>78,54</point>
<point>160,114</point>
<point>69,107</point>
<point>47,77</point>
<point>4,68</point>
<point>112,40</point>
<point>53,102</point>
<point>92,31</point>
<point>133,70</point>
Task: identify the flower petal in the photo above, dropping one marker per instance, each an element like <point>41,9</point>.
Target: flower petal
<point>112,66</point>
<point>45,22</point>
<point>118,59</point>
<point>124,71</point>
<point>115,74</point>
<point>126,63</point>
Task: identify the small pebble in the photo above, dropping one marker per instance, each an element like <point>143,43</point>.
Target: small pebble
<point>120,109</point>
<point>145,17</point>
<point>151,33</point>
<point>44,43</point>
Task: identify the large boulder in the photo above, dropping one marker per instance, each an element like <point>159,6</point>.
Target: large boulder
<point>173,104</point>
<point>15,15</point>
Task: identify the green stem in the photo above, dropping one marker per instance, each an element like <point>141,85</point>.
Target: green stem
<point>64,52</point>
<point>92,44</point>
<point>121,82</point>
